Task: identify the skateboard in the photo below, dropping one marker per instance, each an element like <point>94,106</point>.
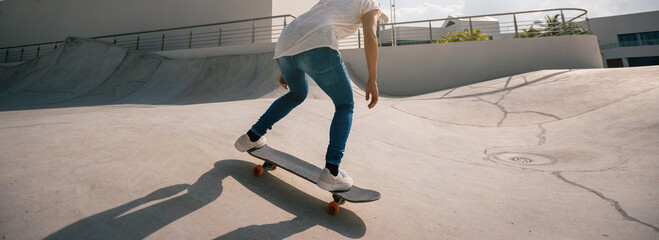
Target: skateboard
<point>274,158</point>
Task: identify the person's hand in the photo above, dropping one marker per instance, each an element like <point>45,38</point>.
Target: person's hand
<point>372,93</point>
<point>283,82</point>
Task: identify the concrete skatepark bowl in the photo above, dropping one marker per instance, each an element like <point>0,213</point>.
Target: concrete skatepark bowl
<point>102,142</point>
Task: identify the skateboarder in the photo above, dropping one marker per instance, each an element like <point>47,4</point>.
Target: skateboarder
<point>309,46</point>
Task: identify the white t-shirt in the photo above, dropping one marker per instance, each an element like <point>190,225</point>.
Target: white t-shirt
<point>323,26</point>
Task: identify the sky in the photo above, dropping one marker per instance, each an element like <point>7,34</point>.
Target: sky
<point>410,10</point>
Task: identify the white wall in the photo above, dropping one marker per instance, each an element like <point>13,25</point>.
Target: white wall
<point>418,69</point>
<point>295,7</point>
<point>35,21</point>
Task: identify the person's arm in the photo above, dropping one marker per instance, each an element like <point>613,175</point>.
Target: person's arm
<point>369,23</point>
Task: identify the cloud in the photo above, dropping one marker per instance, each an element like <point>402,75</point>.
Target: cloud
<point>429,11</point>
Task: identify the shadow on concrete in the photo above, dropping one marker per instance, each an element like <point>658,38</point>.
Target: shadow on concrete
<point>121,223</point>
<point>504,89</point>
<point>142,104</point>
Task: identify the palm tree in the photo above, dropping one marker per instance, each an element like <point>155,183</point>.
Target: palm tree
<point>552,26</point>
<point>530,33</point>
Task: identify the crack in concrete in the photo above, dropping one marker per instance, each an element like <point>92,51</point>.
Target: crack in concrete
<point>541,113</point>
<point>613,202</point>
<point>497,104</point>
<point>613,102</point>
<point>535,83</point>
<point>498,90</point>
<point>542,137</point>
<point>621,159</point>
<point>502,108</point>
<point>439,121</point>
<point>536,112</point>
<point>409,113</point>
<point>526,83</point>
<point>582,113</point>
<point>505,115</point>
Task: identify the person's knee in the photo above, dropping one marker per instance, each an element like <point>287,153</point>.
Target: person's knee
<point>300,95</point>
<point>345,107</point>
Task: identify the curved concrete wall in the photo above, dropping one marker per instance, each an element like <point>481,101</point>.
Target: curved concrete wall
<point>419,69</point>
<point>90,72</point>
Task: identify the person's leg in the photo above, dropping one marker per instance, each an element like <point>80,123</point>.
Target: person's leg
<point>326,67</point>
<point>297,83</point>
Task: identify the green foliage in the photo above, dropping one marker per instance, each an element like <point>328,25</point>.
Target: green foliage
<point>530,33</point>
<point>463,36</point>
<point>552,26</point>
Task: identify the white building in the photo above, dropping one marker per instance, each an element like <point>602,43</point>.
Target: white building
<point>628,40</point>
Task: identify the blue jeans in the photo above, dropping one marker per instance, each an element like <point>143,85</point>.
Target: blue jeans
<point>326,67</point>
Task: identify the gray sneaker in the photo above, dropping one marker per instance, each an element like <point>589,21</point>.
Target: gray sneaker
<point>327,181</point>
<point>243,143</point>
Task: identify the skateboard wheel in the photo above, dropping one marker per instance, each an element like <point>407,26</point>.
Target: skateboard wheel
<point>333,208</point>
<point>258,170</point>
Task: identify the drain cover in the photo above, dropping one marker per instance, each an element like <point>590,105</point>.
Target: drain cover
<point>522,158</point>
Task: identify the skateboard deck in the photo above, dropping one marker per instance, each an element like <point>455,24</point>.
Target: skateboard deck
<point>274,158</point>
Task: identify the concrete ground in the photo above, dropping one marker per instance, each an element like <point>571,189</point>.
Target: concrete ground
<point>553,154</point>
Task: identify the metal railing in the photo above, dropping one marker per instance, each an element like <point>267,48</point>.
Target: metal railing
<point>522,24</point>
<point>534,23</point>
<point>246,31</point>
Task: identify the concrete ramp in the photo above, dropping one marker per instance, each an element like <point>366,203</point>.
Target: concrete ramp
<point>169,80</point>
<point>133,73</point>
<point>551,154</point>
<point>89,72</point>
<point>78,68</point>
<point>3,69</point>
<point>232,78</point>
<point>19,77</point>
